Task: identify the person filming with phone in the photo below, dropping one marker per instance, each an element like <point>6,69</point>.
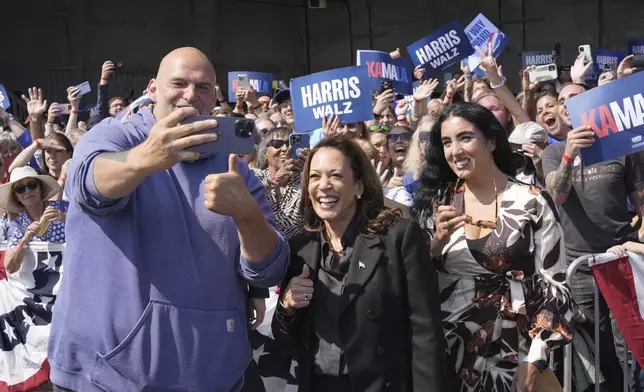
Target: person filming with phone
<point>157,299</point>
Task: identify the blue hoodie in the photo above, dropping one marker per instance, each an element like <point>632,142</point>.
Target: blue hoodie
<point>153,293</point>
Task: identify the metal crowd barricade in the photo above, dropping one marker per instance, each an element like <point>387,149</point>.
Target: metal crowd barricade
<point>568,354</point>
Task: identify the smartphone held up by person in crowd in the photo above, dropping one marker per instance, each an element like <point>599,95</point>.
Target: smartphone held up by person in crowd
<point>298,141</point>
<point>543,73</point>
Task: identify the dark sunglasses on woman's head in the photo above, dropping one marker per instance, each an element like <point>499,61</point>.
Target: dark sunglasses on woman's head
<point>403,137</point>
<point>278,143</point>
<point>20,189</point>
<point>284,104</point>
<point>379,128</point>
<point>423,136</point>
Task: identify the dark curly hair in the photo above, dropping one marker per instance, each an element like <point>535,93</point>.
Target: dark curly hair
<point>437,177</point>
<point>375,218</point>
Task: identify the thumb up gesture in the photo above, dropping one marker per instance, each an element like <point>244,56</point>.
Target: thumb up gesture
<point>299,292</point>
<point>227,193</point>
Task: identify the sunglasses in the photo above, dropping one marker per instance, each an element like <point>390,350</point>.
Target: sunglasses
<point>379,127</point>
<point>20,189</point>
<point>277,143</point>
<point>483,223</point>
<point>423,136</point>
<point>284,104</point>
<point>403,137</point>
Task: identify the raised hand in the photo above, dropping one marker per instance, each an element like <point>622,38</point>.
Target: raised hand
<point>526,85</point>
<point>227,193</point>
<point>107,70</point>
<point>426,89</point>
<point>36,107</point>
<point>579,70</point>
<point>330,126</point>
<point>383,101</point>
<point>488,64</point>
<point>401,107</point>
<point>626,68</point>
<point>73,96</point>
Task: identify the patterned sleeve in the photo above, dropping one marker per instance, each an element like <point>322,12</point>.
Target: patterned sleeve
<point>553,314</point>
<point>14,234</point>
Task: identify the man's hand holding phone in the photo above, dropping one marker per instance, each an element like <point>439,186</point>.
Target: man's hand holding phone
<point>168,140</point>
<point>628,66</point>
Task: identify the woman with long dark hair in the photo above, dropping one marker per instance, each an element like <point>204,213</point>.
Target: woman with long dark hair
<point>359,303</point>
<point>498,247</point>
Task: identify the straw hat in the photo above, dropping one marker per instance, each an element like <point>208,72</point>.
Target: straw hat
<point>7,201</point>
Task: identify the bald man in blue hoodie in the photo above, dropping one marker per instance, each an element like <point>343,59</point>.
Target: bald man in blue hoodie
<point>161,247</point>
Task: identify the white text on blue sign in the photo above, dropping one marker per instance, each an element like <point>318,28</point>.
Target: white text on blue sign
<point>323,97</point>
<point>441,50</point>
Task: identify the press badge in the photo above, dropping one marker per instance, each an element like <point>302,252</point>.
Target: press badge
<point>230,325</point>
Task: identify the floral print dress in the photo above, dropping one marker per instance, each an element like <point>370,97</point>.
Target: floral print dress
<point>504,299</point>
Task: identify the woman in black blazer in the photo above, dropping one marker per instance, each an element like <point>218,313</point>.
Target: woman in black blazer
<point>359,307</point>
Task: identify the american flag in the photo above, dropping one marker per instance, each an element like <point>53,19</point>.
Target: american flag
<point>26,301</point>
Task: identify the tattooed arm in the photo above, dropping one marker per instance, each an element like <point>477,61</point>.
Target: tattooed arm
<point>559,182</point>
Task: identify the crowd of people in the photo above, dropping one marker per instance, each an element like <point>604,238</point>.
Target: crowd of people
<point>423,250</point>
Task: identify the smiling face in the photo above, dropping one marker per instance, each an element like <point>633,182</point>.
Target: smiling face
<point>332,187</point>
<point>465,147</point>
<point>286,110</point>
<point>185,78</point>
<point>549,118</point>
<point>399,141</point>
<point>28,191</point>
<point>276,150</point>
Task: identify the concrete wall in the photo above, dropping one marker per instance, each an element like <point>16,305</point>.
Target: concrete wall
<point>56,43</point>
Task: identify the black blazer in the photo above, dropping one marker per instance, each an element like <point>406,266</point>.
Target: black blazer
<point>390,323</point>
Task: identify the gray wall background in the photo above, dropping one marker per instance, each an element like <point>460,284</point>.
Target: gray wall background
<point>57,43</point>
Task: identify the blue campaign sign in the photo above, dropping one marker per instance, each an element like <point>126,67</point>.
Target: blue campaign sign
<point>479,32</point>
<point>380,66</point>
<point>343,92</point>
<point>615,112</point>
<point>440,49</point>
<point>262,83</point>
<point>601,58</point>
<point>541,57</point>
<point>636,48</point>
<point>4,98</point>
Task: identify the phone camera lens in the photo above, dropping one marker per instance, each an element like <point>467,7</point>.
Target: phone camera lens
<point>581,49</point>
<point>551,68</point>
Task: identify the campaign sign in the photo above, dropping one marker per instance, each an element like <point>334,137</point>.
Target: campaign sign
<point>600,58</point>
<point>380,66</point>
<point>615,112</point>
<point>343,92</point>
<point>262,83</point>
<point>4,98</point>
<point>541,57</point>
<point>479,32</point>
<point>440,49</point>
<point>636,48</point>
